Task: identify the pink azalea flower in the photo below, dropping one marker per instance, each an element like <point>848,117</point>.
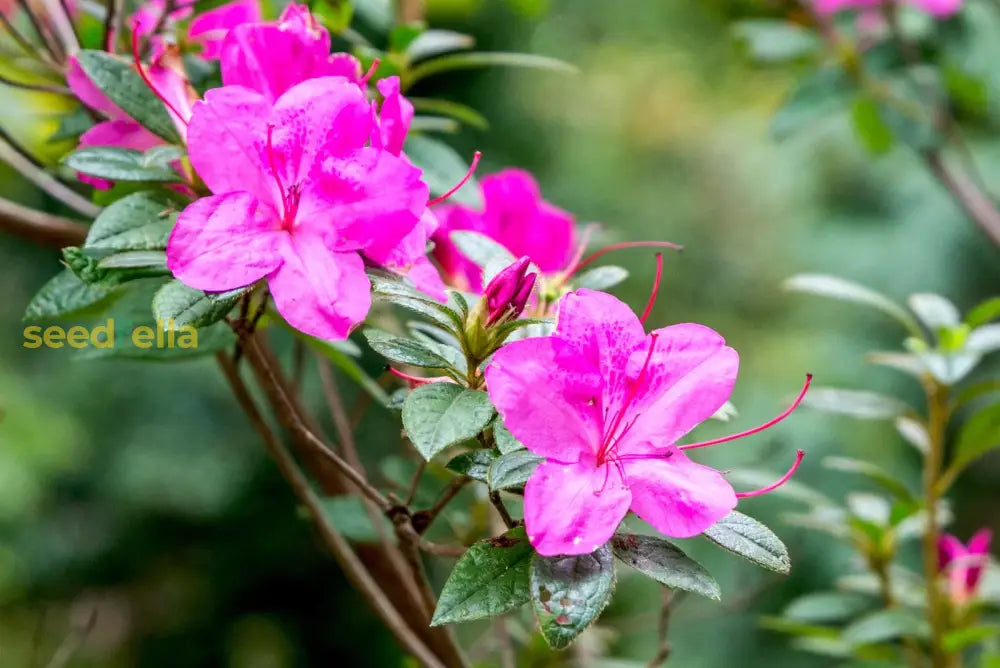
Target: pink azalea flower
<point>963,565</point>
<point>270,58</point>
<point>516,216</point>
<point>605,404</point>
<point>299,197</point>
<point>208,29</point>
<point>938,8</point>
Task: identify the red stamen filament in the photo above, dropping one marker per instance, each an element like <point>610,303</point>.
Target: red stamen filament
<point>413,380</point>
<point>370,72</point>
<point>148,81</point>
<point>799,454</point>
<point>770,423</point>
<point>609,440</point>
<point>274,173</point>
<point>613,247</point>
<point>465,179</point>
<point>655,290</point>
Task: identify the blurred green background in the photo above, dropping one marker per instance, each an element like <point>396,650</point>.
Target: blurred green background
<point>137,490</point>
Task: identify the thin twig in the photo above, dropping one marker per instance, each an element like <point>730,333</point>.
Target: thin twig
<point>51,45</point>
<point>21,41</point>
<point>449,493</point>
<point>62,23</point>
<point>112,24</point>
<point>974,202</point>
<point>73,642</point>
<point>663,646</point>
<point>502,509</point>
<point>442,550</point>
<point>338,546</point>
<point>415,482</point>
<point>22,161</point>
<point>44,88</point>
<point>40,227</point>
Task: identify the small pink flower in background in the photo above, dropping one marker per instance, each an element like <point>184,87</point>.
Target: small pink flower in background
<point>270,58</point>
<point>208,29</point>
<point>515,215</point>
<point>938,8</point>
<point>605,404</point>
<point>963,564</point>
<point>299,197</point>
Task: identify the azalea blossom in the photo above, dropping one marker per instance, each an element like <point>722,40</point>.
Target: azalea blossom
<point>963,565</point>
<point>207,29</point>
<point>605,404</point>
<point>938,8</point>
<point>513,214</point>
<point>299,197</point>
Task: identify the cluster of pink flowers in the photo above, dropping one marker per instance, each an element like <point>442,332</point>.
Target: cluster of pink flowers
<point>310,182</point>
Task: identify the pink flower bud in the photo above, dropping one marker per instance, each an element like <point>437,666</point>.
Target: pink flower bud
<point>963,564</point>
<point>508,292</point>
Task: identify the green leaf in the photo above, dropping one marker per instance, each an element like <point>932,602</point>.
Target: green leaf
<point>821,93</point>
<point>513,469</point>
<point>934,311</point>
<point>481,249</point>
<point>141,221</point>
<point>335,353</point>
<point>119,164</point>
<point>772,41</point>
<point>135,259</point>
<point>959,639</point>
<point>186,306</point>
<point>350,517</point>
<point>464,61</point>
<point>506,442</point>
<point>839,288</point>
<point>872,471</point>
<point>664,562</point>
<point>855,403</point>
<point>914,432</point>
<point>983,312</point>
<point>978,435</point>
<point>408,297</point>
<point>123,85</point>
<point>826,607</point>
<point>66,295</point>
<point>433,42</point>
<point>984,339</point>
<point>569,593</point>
<point>748,538</point>
<point>475,463</point>
<point>438,415</point>
<point>885,625</point>
<point>491,578</point>
<point>443,169</point>
<point>456,110</point>
<point>601,278</point>
<point>403,350</point>
<point>869,126</point>
<point>335,15</point>
<point>72,125</point>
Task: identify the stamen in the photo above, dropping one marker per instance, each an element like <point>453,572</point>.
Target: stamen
<point>770,423</point>
<point>148,81</point>
<point>655,290</point>
<point>412,380</point>
<point>799,454</point>
<point>274,172</point>
<point>371,70</point>
<point>625,244</point>
<point>465,179</point>
<point>606,445</point>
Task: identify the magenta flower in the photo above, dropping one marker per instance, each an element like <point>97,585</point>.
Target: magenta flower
<point>963,565</point>
<point>605,404</point>
<point>299,197</point>
<point>211,28</point>
<point>516,216</point>
<point>270,58</point>
<point>938,8</point>
<point>507,294</point>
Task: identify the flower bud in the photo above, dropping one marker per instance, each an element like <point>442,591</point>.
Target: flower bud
<point>508,292</point>
<point>962,565</point>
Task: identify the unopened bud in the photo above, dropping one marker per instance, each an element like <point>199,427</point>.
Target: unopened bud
<point>508,292</point>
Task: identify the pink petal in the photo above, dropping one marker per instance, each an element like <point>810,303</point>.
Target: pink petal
<point>980,542</point>
<point>460,271</point>
<point>949,549</point>
<point>211,27</point>
<point>227,139</point>
<point>979,548</point>
<point>173,86</point>
<point>395,115</point>
<point>678,497</point>
<point>123,134</point>
<point>224,242</point>
<point>88,93</point>
<point>426,278</point>
<point>573,508</point>
<point>317,121</point>
<point>690,376</point>
<point>939,8</point>
<point>319,292</point>
<point>409,257</point>
<point>548,395</point>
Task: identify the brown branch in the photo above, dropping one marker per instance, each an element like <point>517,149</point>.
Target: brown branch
<point>355,571</point>
<point>22,161</point>
<point>111,32</point>
<point>502,509</point>
<point>442,550</point>
<point>40,227</point>
<point>663,647</point>
<point>51,44</point>
<point>976,204</point>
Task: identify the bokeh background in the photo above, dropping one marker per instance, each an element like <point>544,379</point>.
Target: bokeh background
<point>137,490</point>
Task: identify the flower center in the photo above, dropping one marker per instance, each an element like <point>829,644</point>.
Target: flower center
<point>290,196</point>
<point>612,436</point>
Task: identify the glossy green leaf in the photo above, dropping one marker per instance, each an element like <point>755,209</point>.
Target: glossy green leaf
<point>434,42</point>
<point>600,278</point>
<point>153,259</point>
<point>464,61</point>
<point>871,129</point>
<point>748,538</point>
<point>569,593</point>
<point>839,288</point>
<point>122,84</point>
<point>826,607</point>
<point>141,221</point>
<point>481,249</point>
<point>512,469</point>
<point>491,578</point>
<point>119,164</point>
<point>404,350</point>
<point>438,415</point>
<point>855,403</point>
<point>664,562</point>
<point>978,435</point>
<point>506,442</point>
<point>66,295</point>
<point>177,303</point>
<point>983,313</point>
<point>885,625</point>
<point>475,463</point>
<point>406,296</point>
